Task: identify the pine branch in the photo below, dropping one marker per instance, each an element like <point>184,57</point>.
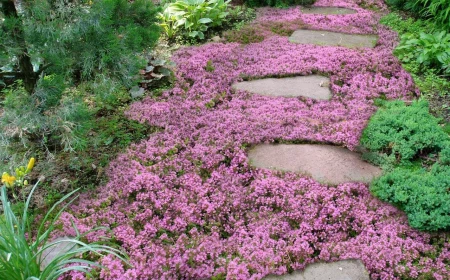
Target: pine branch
<point>15,74</point>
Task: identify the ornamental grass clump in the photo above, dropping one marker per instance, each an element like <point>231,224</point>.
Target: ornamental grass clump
<point>23,250</point>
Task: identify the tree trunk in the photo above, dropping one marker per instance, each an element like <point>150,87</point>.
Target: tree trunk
<point>25,66</point>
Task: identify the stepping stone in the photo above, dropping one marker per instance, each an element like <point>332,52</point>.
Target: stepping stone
<point>327,10</point>
<point>324,163</point>
<point>314,86</point>
<point>327,38</point>
<point>49,254</point>
<point>341,270</point>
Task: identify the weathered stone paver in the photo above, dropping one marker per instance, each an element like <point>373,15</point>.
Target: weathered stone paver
<point>324,163</point>
<point>327,10</point>
<point>49,254</point>
<point>341,270</point>
<point>327,38</point>
<point>314,86</point>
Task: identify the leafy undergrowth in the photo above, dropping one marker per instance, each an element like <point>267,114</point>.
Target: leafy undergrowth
<point>432,84</point>
<point>185,204</point>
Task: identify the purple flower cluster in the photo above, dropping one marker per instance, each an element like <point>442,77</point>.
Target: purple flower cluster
<point>185,204</point>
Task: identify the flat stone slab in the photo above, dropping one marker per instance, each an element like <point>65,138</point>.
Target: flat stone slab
<point>327,10</point>
<point>49,254</point>
<point>313,86</point>
<point>341,270</point>
<point>328,38</point>
<point>324,163</point>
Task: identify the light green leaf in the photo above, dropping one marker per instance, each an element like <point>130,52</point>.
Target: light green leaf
<point>205,20</point>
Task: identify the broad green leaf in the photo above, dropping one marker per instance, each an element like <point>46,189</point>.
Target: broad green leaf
<point>205,20</point>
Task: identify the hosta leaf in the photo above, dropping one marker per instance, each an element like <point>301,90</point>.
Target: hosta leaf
<point>164,71</point>
<point>188,24</point>
<point>180,22</point>
<point>193,34</point>
<point>205,20</point>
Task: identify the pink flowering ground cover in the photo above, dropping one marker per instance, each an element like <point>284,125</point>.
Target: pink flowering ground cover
<point>185,204</point>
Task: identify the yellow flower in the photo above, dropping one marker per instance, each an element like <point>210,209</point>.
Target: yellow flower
<point>31,164</point>
<point>8,180</point>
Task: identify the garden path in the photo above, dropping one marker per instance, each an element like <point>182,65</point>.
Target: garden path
<point>186,204</point>
<point>326,164</point>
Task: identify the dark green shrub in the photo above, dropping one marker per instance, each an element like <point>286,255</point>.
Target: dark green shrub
<point>415,150</point>
<point>54,46</point>
<point>424,196</point>
<point>76,40</point>
<point>444,156</point>
<point>404,131</point>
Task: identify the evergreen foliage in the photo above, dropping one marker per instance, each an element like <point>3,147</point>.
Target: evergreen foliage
<point>416,150</point>
<point>77,40</point>
<point>50,46</point>
<point>404,131</point>
<point>422,194</point>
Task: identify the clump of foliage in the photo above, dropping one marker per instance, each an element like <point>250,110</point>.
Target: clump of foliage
<point>410,141</point>
<point>421,43</point>
<point>53,46</point>
<point>431,81</point>
<point>22,253</point>
<point>278,3</point>
<point>422,194</point>
<point>155,70</point>
<point>406,25</point>
<point>437,11</point>
<point>404,132</point>
<point>428,50</point>
<point>45,120</point>
<point>192,17</point>
<point>238,16</point>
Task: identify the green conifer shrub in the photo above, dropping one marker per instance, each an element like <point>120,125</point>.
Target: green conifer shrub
<point>49,47</point>
<point>414,150</point>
